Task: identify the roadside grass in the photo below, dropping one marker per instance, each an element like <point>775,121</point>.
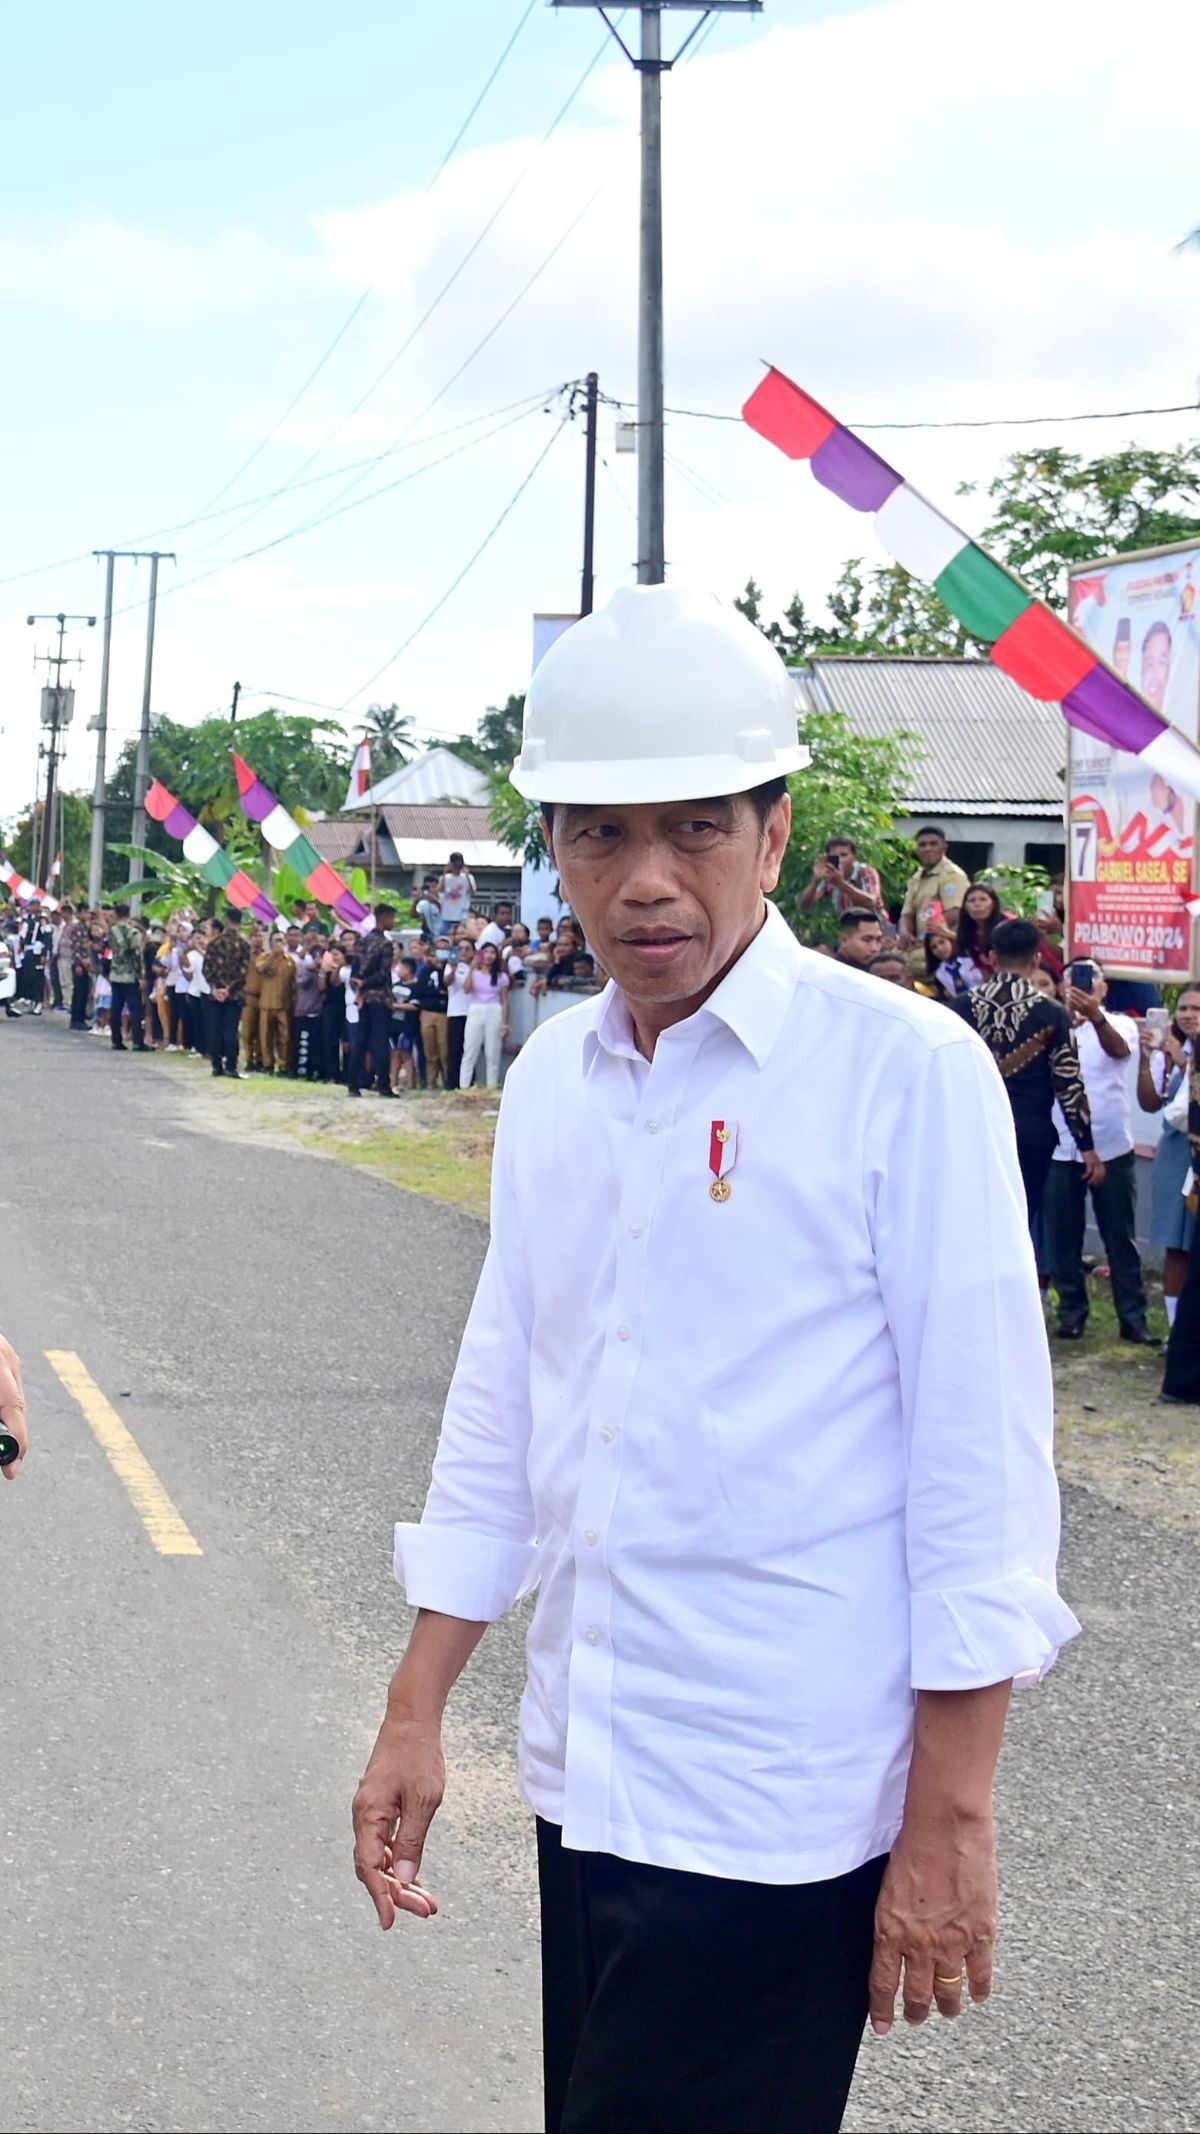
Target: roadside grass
<point>1111,1436</point>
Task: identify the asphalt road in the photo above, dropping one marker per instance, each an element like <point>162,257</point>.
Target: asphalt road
<point>183,1944</point>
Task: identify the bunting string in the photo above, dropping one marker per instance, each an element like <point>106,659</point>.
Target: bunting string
<point>25,891</point>
<point>1028,641</point>
<point>281,830</point>
<point>200,847</point>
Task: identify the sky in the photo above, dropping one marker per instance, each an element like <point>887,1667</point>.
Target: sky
<point>924,212</point>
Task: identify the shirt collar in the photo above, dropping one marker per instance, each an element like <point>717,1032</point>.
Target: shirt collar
<point>752,999</point>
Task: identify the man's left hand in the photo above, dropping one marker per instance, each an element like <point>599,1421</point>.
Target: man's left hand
<point>12,1406</point>
<point>937,1910</point>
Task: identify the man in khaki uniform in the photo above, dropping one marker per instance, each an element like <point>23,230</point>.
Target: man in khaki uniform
<point>277,985</point>
<point>250,1011</point>
<point>937,881</point>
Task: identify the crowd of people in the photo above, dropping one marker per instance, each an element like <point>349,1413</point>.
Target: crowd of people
<point>391,1009</point>
<point>1063,1037</point>
<point>438,1005</point>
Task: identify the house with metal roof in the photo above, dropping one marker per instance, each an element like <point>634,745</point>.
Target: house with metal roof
<point>418,816</point>
<point>987,762</point>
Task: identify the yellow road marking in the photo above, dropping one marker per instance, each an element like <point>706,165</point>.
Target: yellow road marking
<point>163,1523</point>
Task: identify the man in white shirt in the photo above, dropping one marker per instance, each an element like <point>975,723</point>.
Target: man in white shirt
<point>1106,1044</point>
<point>455,889</point>
<point>762,1409</point>
<point>498,928</point>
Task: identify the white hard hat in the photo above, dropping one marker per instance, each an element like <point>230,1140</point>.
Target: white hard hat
<point>664,695</point>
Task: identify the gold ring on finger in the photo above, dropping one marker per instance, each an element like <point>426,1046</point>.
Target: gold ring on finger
<point>938,1980</point>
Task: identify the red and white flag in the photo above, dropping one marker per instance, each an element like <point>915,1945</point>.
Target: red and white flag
<point>360,775</point>
<point>56,869</point>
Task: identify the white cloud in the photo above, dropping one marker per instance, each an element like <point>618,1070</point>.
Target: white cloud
<point>921,209</point>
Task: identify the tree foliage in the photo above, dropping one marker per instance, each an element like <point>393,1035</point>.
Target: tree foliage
<point>850,789</point>
<point>496,742</point>
<point>1052,508</point>
<point>393,742</point>
<point>305,762</point>
<point>76,836</point>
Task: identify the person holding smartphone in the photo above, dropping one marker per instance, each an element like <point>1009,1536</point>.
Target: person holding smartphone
<point>1162,1086</point>
<point>1106,1044</point>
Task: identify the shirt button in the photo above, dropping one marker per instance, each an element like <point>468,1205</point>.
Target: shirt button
<point>592,1636</point>
<point>591,1537</point>
<point>622,1333</point>
<point>637,1229</point>
<point>607,1436</point>
<point>653,1126</point>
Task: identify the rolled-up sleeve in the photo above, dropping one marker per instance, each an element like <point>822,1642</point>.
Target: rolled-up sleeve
<point>473,1554</point>
<point>960,1288</point>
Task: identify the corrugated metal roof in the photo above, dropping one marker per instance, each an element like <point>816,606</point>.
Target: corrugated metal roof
<point>335,841</point>
<point>438,775</point>
<point>987,747</point>
<point>451,824</point>
<point>479,854</point>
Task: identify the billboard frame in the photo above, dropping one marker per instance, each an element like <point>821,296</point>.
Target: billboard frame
<point>1115,970</point>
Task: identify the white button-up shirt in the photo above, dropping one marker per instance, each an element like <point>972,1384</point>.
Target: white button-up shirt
<point>1111,1086</point>
<point>772,1463</point>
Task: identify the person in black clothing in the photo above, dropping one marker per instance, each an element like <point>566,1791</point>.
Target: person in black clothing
<point>1181,1380</point>
<point>371,967</point>
<point>1029,1037</point>
<point>432,999</point>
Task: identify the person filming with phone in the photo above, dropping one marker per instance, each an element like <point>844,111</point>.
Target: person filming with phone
<point>1106,1044</point>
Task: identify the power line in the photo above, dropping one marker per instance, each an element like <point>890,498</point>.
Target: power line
<point>458,271</point>
<point>528,401</point>
<point>349,320</point>
<point>494,328</point>
<point>468,566</point>
<point>336,511</point>
<point>988,422</point>
<point>477,105</point>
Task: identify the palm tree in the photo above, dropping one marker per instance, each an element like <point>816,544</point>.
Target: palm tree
<point>393,742</point>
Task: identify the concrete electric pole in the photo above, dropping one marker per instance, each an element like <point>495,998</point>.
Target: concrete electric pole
<point>99,785</point>
<point>652,66</point>
<point>141,781</point>
<point>58,708</point>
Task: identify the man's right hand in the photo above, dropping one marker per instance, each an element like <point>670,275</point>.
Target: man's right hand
<point>398,1796</point>
<point>12,1406</point>
<point>1093,1169</point>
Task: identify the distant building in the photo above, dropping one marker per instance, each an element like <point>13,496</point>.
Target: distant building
<point>429,808</point>
<point>989,760</point>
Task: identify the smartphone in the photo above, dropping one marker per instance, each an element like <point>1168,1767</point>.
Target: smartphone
<point>10,1450</point>
<point>1081,977</point>
<point>1158,1022</point>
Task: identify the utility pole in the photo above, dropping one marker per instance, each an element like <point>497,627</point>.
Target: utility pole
<point>58,708</point>
<point>99,783</point>
<point>651,65</point>
<point>588,588</point>
<point>142,776</point>
<point>237,690</point>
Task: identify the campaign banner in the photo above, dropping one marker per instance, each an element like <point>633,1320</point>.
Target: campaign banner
<point>1131,842</point>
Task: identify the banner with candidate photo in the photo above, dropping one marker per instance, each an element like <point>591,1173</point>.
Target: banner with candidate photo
<point>1131,841</point>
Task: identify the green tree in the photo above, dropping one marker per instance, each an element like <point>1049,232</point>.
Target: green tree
<point>305,762</point>
<point>1052,508</point>
<point>76,835</point>
<point>851,789</point>
<point>496,742</point>
<point>793,635</point>
<point>393,742</point>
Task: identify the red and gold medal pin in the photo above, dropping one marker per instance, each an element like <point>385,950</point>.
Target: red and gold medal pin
<point>722,1155</point>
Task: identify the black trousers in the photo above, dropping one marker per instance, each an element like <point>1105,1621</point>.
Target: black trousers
<point>1034,1159</point>
<point>1114,1206</point>
<point>373,1034</point>
<point>1182,1376</point>
<point>126,995</point>
<point>675,2003</point>
<point>456,1031</point>
<point>306,1047</point>
<point>81,986</point>
<point>224,1019</point>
